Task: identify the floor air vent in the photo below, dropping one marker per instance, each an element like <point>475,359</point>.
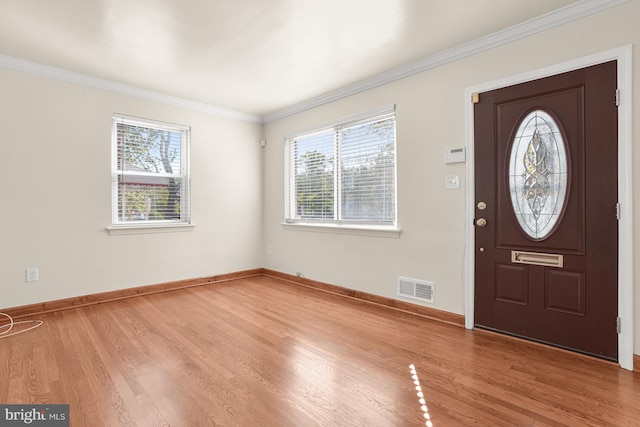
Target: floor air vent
<point>415,289</point>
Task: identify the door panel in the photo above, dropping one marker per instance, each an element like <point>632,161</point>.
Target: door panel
<point>512,284</point>
<point>572,304</point>
<point>564,291</point>
<point>567,106</point>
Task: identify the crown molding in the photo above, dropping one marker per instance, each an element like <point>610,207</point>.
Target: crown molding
<point>533,26</point>
<point>94,82</point>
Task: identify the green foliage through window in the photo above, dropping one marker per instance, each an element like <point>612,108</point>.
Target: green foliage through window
<point>150,174</point>
<point>344,174</point>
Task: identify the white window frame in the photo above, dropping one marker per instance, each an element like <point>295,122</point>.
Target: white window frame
<point>337,225</point>
<point>119,226</point>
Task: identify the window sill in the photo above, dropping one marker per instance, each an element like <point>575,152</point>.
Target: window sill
<point>358,230</point>
<point>117,230</point>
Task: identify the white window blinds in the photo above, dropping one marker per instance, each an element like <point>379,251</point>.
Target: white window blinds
<point>344,174</point>
<point>150,172</point>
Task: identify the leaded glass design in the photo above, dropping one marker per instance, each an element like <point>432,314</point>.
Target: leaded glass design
<point>538,174</point>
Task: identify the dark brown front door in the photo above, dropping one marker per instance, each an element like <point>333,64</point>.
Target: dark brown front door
<point>546,197</point>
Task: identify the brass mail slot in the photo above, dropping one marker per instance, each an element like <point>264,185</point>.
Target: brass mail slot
<point>549,260</point>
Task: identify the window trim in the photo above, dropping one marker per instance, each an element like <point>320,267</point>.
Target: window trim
<point>338,226</point>
<point>343,122</point>
<point>172,225</point>
<point>351,229</point>
<point>117,230</point>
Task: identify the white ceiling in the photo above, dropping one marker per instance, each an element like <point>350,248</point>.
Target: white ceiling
<point>251,56</point>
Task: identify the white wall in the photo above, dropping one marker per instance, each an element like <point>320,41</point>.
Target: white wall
<point>430,118</point>
<point>56,194</point>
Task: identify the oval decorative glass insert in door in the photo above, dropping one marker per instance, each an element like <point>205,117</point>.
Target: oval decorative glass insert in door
<point>538,174</point>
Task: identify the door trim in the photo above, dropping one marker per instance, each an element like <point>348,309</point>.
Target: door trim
<point>625,195</point>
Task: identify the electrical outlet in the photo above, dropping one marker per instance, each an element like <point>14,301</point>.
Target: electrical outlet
<point>32,274</point>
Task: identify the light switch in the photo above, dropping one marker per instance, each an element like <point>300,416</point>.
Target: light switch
<point>452,182</point>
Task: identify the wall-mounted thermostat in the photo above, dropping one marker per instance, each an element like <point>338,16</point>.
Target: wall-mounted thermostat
<point>454,155</point>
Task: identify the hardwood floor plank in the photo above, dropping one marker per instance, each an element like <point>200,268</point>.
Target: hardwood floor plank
<point>261,351</point>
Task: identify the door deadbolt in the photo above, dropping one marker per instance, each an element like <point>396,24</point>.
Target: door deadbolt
<point>481,222</point>
<point>482,206</point>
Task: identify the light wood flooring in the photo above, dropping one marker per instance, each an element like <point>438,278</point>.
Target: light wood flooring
<point>264,352</point>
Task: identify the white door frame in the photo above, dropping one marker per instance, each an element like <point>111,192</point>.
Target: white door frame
<point>625,195</point>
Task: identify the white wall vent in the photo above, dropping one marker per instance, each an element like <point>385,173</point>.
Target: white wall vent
<point>416,289</point>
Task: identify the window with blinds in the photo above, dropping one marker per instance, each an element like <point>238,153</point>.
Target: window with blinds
<point>344,174</point>
<point>150,180</point>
